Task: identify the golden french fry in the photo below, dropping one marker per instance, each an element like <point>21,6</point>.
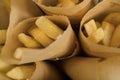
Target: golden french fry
<point>4,67</point>
<point>21,72</point>
<point>113,18</point>
<point>65,3</point>
<point>48,27</point>
<point>90,27</point>
<point>18,53</point>
<point>108,31</point>
<point>28,41</point>
<point>3,36</point>
<point>97,36</point>
<point>40,36</point>
<point>115,41</point>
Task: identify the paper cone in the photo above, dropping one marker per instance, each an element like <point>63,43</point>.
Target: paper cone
<point>81,68</point>
<point>4,16</point>
<point>75,13</point>
<point>98,13</point>
<point>92,68</point>
<point>46,71</point>
<point>62,48</point>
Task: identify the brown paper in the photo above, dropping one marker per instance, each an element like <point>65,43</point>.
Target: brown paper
<point>4,16</point>
<point>46,71</point>
<point>22,9</point>
<point>64,47</point>
<point>110,69</point>
<point>98,13</point>
<point>92,68</point>
<point>80,68</point>
<point>75,13</point>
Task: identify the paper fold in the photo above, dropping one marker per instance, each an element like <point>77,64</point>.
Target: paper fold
<point>98,13</point>
<point>64,47</point>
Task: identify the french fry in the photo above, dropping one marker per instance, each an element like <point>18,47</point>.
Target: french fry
<point>90,27</point>
<point>65,3</point>
<point>28,41</point>
<point>21,72</point>
<point>108,31</point>
<point>2,36</point>
<point>40,36</point>
<point>18,53</point>
<point>97,36</point>
<point>113,18</point>
<point>48,27</point>
<point>115,41</point>
<point>4,67</point>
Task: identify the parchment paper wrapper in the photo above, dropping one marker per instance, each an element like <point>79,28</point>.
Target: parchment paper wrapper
<point>22,9</point>
<point>4,16</point>
<point>109,69</point>
<point>79,68</point>
<point>64,47</point>
<point>46,71</point>
<point>75,13</point>
<point>98,13</point>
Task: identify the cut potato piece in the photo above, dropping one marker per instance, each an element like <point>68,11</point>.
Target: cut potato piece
<point>90,27</point>
<point>18,53</point>
<point>28,41</point>
<point>65,3</point>
<point>113,18</point>
<point>115,41</point>
<point>40,36</point>
<point>48,27</point>
<point>108,31</point>
<point>97,36</point>
<point>21,72</point>
<point>4,67</point>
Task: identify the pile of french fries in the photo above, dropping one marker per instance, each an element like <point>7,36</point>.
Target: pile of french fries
<point>44,32</point>
<point>40,35</point>
<point>105,33</point>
